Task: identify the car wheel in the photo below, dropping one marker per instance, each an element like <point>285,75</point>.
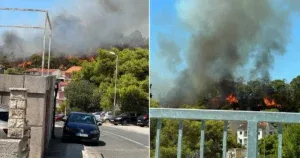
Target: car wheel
<point>124,122</point>
<point>142,125</point>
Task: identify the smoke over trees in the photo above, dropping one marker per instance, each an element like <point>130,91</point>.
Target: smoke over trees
<point>83,26</point>
<point>227,36</point>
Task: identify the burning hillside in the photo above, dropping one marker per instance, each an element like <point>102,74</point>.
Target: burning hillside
<point>81,26</point>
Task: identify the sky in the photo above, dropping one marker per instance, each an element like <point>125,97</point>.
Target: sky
<point>77,25</point>
<point>27,18</point>
<point>164,19</point>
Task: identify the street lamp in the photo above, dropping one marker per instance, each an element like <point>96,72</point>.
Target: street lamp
<point>113,53</point>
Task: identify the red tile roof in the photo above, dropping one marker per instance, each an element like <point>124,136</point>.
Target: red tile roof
<point>73,69</point>
<point>40,70</point>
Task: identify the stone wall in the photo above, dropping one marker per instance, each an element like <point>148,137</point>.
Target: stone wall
<point>17,143</point>
<point>39,111</point>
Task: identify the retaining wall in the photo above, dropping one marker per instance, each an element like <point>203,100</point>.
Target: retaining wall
<point>39,112</point>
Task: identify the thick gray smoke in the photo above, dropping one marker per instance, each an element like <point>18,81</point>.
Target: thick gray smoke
<point>85,26</point>
<point>226,36</point>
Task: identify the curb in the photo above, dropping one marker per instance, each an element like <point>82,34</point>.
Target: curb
<point>85,154</point>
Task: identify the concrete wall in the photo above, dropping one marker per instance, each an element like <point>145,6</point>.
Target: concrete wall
<point>39,107</point>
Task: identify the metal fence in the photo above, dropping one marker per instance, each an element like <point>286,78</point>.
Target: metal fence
<point>251,117</point>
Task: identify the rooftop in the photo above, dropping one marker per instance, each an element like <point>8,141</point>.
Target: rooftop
<point>40,70</point>
<point>73,69</point>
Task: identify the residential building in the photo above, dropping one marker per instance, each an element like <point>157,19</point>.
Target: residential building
<point>38,72</point>
<point>69,73</point>
<point>2,69</point>
<point>61,93</point>
<point>264,129</point>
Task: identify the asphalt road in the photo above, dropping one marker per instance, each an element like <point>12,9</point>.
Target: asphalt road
<point>114,143</point>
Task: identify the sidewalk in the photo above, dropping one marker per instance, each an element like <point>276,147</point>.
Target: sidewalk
<point>59,149</point>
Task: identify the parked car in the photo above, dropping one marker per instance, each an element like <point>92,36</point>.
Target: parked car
<point>143,120</point>
<point>97,115</point>
<point>125,118</point>
<point>81,126</point>
<point>107,116</point>
<point>59,117</point>
<point>3,122</point>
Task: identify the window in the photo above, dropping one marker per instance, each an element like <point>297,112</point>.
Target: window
<point>241,132</point>
<point>241,141</point>
<point>258,133</point>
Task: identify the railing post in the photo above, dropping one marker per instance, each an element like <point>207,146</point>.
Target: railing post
<point>179,148</point>
<point>225,139</point>
<point>252,139</point>
<point>202,139</point>
<point>280,140</point>
<point>157,144</point>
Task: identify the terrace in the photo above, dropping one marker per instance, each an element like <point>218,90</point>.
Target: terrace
<point>251,117</point>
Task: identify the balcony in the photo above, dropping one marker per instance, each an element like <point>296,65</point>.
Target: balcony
<point>252,118</point>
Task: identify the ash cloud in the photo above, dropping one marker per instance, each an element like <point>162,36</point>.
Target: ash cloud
<point>85,26</point>
<point>225,36</point>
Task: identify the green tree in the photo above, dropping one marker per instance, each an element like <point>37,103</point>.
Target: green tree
<point>132,79</point>
<point>14,71</point>
<point>83,96</point>
<point>291,144</point>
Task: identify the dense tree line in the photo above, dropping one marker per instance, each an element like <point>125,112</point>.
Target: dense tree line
<point>276,95</point>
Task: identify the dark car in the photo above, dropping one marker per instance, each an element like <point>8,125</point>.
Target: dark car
<point>125,118</point>
<point>143,120</point>
<point>81,126</point>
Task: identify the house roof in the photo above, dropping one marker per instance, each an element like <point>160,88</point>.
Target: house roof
<point>40,70</point>
<point>244,126</point>
<point>73,69</point>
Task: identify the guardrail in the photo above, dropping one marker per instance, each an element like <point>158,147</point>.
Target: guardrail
<point>252,118</point>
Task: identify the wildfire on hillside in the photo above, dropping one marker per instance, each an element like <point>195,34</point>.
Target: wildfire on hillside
<point>270,102</point>
<point>232,99</point>
<point>25,64</point>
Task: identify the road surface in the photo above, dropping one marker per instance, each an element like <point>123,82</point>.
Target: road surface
<point>115,142</point>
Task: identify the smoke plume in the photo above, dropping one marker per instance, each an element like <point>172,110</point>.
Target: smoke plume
<point>82,26</point>
<point>226,36</point>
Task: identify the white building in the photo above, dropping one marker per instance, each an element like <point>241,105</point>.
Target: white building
<point>263,130</point>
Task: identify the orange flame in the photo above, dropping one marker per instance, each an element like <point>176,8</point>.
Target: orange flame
<point>70,57</point>
<point>270,102</point>
<point>25,64</point>
<point>232,99</point>
<point>92,59</point>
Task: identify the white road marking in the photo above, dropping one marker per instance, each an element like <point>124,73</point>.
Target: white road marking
<point>126,139</point>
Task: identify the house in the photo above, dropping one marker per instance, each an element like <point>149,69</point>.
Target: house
<point>61,93</point>
<point>38,71</point>
<point>264,129</point>
<point>2,68</point>
<point>69,73</point>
